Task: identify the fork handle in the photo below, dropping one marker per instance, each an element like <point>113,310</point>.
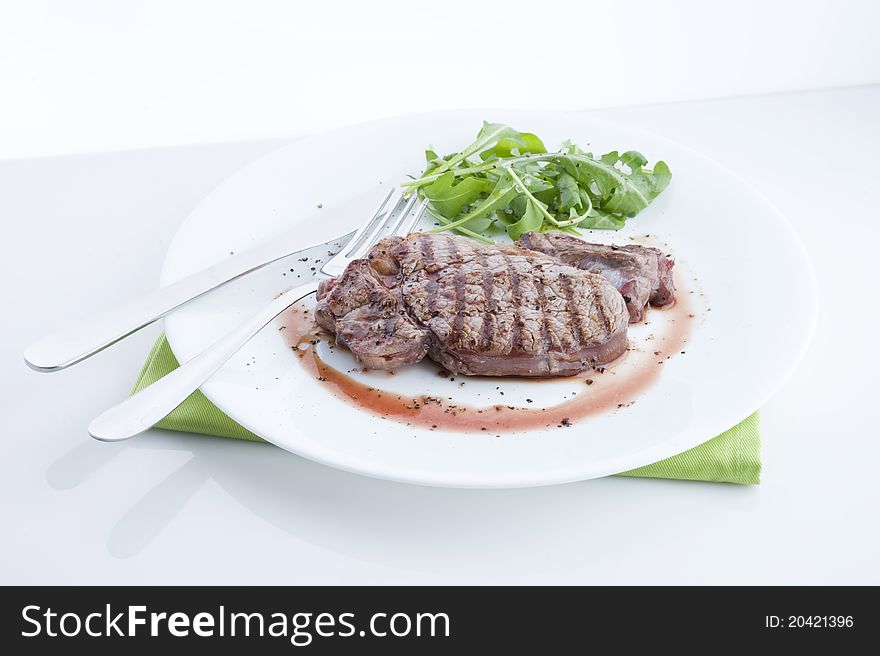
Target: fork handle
<point>144,409</point>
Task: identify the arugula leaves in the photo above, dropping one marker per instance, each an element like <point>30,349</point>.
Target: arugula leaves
<point>449,198</point>
<point>506,180</point>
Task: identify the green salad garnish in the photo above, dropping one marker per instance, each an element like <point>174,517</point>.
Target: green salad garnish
<point>507,181</point>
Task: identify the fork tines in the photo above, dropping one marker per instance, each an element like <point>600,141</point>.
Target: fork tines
<point>392,218</point>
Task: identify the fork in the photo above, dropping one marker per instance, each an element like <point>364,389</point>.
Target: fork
<point>144,409</point>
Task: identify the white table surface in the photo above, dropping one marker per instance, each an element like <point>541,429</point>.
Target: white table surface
<point>85,232</point>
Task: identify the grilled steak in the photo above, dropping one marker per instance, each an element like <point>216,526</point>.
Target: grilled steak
<point>641,274</point>
<point>364,310</point>
<point>496,310</point>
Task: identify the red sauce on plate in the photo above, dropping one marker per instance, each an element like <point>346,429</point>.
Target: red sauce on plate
<point>611,388</point>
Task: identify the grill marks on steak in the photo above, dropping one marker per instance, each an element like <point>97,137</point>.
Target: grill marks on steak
<point>488,310</point>
<point>367,317</point>
<point>641,274</point>
<point>501,310</point>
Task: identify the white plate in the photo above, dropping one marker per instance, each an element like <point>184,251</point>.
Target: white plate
<point>747,259</point>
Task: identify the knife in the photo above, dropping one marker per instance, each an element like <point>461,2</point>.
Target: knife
<point>83,339</point>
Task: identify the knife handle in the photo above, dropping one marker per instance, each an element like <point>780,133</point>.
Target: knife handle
<point>144,409</point>
<point>83,339</point>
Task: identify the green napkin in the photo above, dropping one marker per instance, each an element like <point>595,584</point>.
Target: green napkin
<point>732,457</point>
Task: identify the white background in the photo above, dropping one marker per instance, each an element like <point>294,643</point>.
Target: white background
<point>93,75</point>
<point>84,232</point>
